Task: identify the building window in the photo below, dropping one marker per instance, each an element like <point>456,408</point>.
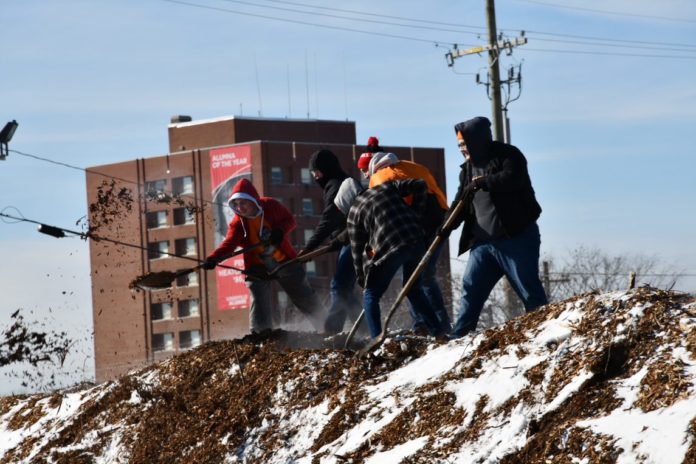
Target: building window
<point>189,339</point>
<point>163,342</point>
<point>307,207</point>
<point>182,185</point>
<point>276,175</point>
<point>305,176</point>
<point>157,250</point>
<point>188,308</point>
<point>156,219</point>
<point>160,311</point>
<point>182,217</point>
<point>185,246</point>
<point>311,268</point>
<point>283,300</point>
<point>187,280</point>
<point>308,234</point>
<point>156,186</point>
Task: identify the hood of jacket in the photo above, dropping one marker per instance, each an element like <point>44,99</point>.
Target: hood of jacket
<point>349,189</point>
<point>245,190</point>
<point>382,160</point>
<point>326,162</point>
<point>478,137</point>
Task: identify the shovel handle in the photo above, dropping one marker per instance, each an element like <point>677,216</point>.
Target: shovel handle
<point>301,259</point>
<point>415,274</point>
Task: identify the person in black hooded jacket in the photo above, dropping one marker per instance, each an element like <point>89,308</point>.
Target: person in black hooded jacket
<point>500,230</point>
<point>327,172</point>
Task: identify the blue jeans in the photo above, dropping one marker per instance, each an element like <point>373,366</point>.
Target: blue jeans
<point>517,258</point>
<point>433,293</point>
<point>380,277</point>
<point>344,303</point>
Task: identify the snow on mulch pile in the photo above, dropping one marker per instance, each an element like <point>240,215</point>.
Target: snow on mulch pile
<point>594,379</point>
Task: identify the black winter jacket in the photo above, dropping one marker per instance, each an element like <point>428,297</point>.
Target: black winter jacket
<point>332,220</point>
<point>507,179</point>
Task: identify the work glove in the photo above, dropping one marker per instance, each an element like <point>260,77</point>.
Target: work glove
<point>478,182</point>
<point>276,236</point>
<point>209,264</point>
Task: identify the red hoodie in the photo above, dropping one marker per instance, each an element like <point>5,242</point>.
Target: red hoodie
<point>244,232</point>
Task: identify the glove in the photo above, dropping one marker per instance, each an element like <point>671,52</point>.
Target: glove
<point>276,236</point>
<point>478,182</point>
<point>209,264</point>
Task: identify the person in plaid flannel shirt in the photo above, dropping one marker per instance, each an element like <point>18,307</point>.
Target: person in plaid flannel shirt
<point>386,234</point>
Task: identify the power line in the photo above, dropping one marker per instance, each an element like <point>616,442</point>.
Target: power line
<point>306,23</point>
<point>377,15</point>
<point>481,28</point>
<point>608,39</point>
<point>108,176</point>
<point>435,42</point>
<point>242,2</point>
<point>607,12</point>
<point>588,52</point>
<point>606,44</point>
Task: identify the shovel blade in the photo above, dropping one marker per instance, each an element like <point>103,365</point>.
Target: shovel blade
<point>153,280</point>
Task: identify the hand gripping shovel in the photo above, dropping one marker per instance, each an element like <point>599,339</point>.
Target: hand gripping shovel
<point>414,276</point>
<point>164,279</point>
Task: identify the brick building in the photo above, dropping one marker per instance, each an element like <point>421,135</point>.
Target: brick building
<point>174,205</point>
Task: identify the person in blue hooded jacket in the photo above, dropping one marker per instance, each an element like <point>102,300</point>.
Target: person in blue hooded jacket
<point>500,229</point>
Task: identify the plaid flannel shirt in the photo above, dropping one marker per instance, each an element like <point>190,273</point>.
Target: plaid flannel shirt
<point>381,220</point>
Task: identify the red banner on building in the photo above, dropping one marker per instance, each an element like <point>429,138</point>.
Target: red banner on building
<point>227,167</point>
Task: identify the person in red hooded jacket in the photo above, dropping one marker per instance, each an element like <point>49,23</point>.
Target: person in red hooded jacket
<point>259,219</point>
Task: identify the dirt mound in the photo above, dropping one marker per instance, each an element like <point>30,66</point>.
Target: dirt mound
<point>598,378</point>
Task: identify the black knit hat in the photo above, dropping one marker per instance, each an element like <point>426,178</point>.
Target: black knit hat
<point>326,162</point>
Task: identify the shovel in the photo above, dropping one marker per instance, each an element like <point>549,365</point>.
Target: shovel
<point>164,279</point>
<point>301,259</point>
<point>416,273</point>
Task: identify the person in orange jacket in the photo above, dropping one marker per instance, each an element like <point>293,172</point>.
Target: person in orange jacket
<point>258,219</point>
<point>387,167</point>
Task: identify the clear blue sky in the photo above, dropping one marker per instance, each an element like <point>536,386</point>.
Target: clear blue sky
<point>606,116</point>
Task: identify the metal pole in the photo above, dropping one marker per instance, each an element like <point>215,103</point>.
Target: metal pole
<point>494,72</point>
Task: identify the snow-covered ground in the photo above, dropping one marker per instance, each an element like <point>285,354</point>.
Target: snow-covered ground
<point>598,378</point>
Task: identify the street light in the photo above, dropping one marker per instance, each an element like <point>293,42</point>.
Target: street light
<point>5,137</point>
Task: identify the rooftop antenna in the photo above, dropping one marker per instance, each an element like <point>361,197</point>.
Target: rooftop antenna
<point>258,86</point>
<point>345,84</point>
<point>316,87</point>
<point>289,100</point>
<point>306,67</point>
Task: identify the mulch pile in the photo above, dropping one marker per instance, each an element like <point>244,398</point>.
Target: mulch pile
<point>233,401</point>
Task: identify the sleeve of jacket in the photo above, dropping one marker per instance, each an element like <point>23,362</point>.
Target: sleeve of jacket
<point>331,218</point>
<point>228,245</point>
<point>512,176</point>
<point>418,188</point>
<point>358,238</point>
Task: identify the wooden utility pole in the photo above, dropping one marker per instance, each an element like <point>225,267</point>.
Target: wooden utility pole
<point>494,65</point>
<point>494,48</point>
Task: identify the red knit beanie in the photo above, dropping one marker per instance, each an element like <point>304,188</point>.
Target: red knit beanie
<point>364,160</point>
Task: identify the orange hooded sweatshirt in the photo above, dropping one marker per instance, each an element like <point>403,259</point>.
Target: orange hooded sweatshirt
<point>244,231</point>
<point>407,170</point>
